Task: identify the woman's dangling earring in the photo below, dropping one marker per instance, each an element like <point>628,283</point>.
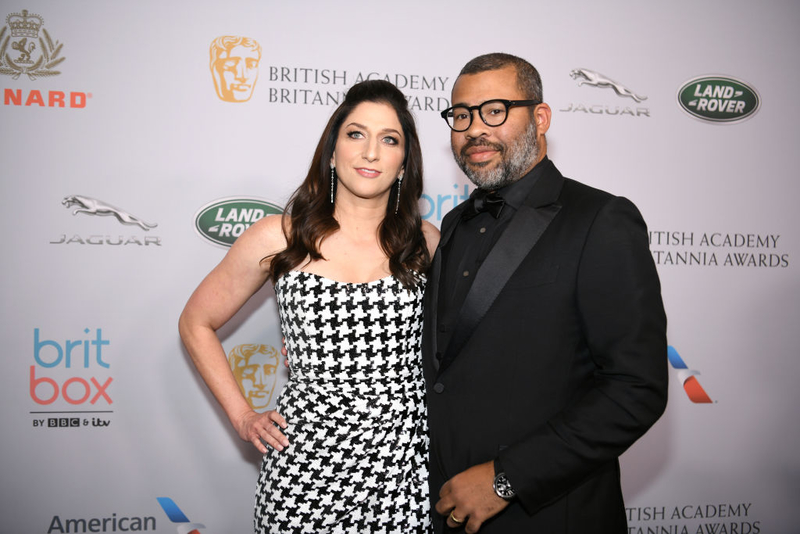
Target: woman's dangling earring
<point>333,180</point>
<point>399,183</point>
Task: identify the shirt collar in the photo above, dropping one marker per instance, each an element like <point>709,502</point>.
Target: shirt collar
<point>515,193</point>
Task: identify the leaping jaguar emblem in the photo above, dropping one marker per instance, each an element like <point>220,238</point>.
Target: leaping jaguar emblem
<point>595,79</point>
<point>92,206</point>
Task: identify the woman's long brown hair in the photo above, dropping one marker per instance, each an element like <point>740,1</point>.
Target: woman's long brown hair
<point>310,210</point>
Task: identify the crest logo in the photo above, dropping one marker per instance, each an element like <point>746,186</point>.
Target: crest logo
<point>718,99</point>
<point>222,221</point>
<point>234,67</point>
<point>24,51</point>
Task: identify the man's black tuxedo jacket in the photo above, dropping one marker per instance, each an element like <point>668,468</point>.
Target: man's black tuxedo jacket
<point>558,362</point>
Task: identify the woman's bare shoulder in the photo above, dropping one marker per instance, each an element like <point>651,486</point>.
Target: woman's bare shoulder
<point>264,237</point>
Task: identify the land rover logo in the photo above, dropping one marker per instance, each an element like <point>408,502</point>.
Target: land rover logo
<point>718,99</point>
<point>223,220</point>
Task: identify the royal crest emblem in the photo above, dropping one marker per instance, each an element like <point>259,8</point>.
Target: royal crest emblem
<point>26,47</point>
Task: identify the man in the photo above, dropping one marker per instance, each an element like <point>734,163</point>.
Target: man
<point>545,347</point>
<point>234,67</point>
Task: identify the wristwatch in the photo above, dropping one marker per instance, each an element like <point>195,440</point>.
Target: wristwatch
<point>502,487</point>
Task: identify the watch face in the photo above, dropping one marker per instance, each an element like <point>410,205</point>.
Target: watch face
<point>502,487</point>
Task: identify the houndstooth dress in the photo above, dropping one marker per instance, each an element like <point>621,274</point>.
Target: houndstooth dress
<point>355,406</point>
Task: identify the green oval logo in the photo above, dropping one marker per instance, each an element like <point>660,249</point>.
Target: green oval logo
<point>223,220</point>
<point>718,99</point>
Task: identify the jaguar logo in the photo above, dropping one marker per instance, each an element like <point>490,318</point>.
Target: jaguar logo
<point>595,79</point>
<point>92,206</point>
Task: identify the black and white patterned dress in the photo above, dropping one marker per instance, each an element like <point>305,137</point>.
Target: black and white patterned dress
<point>355,406</point>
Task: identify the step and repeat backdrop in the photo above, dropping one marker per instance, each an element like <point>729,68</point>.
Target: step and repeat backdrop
<point>139,139</point>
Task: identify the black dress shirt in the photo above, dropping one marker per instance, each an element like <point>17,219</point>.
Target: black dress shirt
<point>471,242</point>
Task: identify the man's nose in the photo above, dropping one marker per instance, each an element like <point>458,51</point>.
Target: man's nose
<point>477,127</point>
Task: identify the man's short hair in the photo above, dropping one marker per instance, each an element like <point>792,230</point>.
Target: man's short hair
<point>528,79</point>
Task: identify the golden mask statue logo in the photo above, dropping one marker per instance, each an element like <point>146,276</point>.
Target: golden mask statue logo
<point>24,51</point>
<point>255,368</point>
<point>234,67</point>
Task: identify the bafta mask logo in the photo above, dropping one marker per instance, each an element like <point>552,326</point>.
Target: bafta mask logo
<point>234,67</point>
<point>24,51</point>
<point>255,368</point>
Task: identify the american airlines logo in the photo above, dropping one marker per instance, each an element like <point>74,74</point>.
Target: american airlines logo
<point>688,378</point>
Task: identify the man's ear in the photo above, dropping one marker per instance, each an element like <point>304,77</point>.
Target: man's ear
<point>542,115</point>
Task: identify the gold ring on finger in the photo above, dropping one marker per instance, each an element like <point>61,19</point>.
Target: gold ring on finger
<point>454,520</point>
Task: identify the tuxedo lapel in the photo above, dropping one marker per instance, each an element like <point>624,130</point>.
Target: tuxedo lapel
<point>449,225</point>
<point>432,291</point>
<point>431,318</point>
<point>517,241</point>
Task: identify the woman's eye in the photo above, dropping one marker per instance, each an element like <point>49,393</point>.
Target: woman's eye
<point>391,140</point>
<point>355,134</point>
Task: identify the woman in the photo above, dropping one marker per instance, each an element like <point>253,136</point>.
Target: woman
<point>347,264</point>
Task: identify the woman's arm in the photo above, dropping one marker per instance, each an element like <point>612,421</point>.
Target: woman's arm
<point>215,301</point>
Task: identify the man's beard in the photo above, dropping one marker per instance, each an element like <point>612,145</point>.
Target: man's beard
<point>516,159</point>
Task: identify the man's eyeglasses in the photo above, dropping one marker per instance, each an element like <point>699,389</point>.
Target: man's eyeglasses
<point>492,112</point>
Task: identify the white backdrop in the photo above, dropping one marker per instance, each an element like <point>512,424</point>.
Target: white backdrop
<point>142,129</point>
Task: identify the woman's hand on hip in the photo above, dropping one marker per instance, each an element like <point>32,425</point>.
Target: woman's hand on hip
<point>259,428</point>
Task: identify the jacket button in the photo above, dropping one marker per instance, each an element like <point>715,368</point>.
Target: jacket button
<point>438,387</point>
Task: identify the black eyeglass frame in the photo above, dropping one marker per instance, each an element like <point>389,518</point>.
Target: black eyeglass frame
<point>507,103</point>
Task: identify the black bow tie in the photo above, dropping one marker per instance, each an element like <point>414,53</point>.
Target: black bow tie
<point>483,200</point>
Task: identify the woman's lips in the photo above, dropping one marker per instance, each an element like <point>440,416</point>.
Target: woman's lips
<point>368,173</point>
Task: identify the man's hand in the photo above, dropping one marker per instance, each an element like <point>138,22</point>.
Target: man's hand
<point>468,499</point>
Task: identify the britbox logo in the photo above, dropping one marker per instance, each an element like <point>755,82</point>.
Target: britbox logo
<point>74,371</point>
